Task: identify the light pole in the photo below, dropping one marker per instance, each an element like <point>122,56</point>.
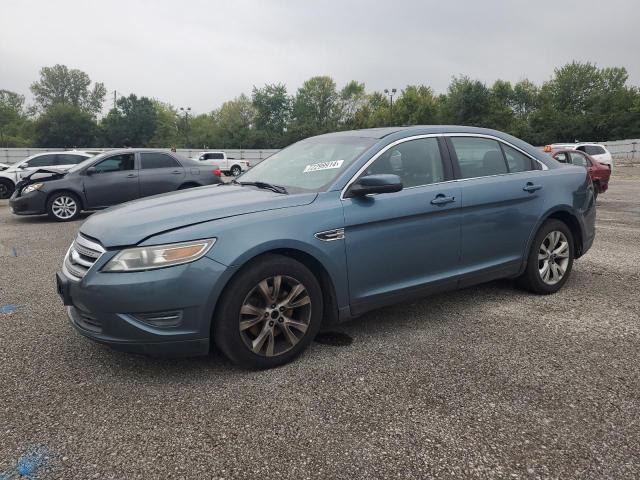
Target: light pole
<point>391,94</point>
<point>186,124</point>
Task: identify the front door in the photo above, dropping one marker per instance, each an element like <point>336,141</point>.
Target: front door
<point>115,180</point>
<point>405,242</point>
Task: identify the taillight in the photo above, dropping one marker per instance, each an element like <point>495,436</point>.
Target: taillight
<point>217,172</point>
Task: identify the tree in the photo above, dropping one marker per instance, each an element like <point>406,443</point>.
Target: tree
<point>14,123</point>
<point>417,105</point>
<point>205,130</point>
<point>316,108</point>
<point>61,85</point>
<point>65,125</point>
<point>272,106</point>
<point>468,102</point>
<point>352,98</point>
<point>235,123</point>
<point>131,123</point>
<point>166,133</point>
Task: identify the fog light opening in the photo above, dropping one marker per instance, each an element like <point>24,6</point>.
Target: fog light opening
<point>160,319</point>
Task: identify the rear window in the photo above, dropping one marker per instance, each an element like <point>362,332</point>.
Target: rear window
<point>592,149</point>
<point>157,160</point>
<point>479,157</point>
<point>67,159</point>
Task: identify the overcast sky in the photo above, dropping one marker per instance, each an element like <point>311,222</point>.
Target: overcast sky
<point>201,53</point>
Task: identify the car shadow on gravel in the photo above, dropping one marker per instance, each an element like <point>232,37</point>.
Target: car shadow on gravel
<point>44,219</point>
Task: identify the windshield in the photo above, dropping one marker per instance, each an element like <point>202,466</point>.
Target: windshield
<point>310,165</point>
<point>89,160</point>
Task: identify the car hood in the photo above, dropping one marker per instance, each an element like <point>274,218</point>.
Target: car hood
<point>133,222</point>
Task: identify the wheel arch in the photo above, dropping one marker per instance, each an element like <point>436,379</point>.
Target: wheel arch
<point>567,216</point>
<point>316,267</point>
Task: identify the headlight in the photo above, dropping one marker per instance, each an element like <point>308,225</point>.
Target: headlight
<point>32,188</point>
<point>158,256</point>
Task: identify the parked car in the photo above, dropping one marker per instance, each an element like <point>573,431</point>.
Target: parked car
<point>598,173</point>
<point>228,165</point>
<point>598,152</point>
<point>323,231</point>
<point>60,160</point>
<point>108,179</point>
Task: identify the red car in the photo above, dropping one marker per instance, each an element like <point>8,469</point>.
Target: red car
<point>598,172</point>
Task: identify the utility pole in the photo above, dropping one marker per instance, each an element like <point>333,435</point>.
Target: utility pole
<point>186,124</point>
<point>115,98</point>
<point>391,94</point>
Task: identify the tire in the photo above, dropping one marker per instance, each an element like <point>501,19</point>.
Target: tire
<point>63,206</point>
<point>236,170</point>
<point>7,187</point>
<point>265,328</point>
<point>546,251</point>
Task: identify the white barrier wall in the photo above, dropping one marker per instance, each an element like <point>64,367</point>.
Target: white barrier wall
<point>623,151</point>
<point>13,155</point>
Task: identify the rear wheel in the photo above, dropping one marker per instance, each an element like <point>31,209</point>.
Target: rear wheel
<point>550,259</point>
<point>7,187</point>
<point>63,206</point>
<point>269,313</point>
<point>236,170</point>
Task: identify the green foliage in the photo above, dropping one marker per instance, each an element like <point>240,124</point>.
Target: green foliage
<point>132,123</point>
<point>64,125</point>
<point>579,102</point>
<point>61,85</point>
<point>15,126</point>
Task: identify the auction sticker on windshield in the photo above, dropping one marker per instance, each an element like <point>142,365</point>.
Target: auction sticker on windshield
<point>323,166</point>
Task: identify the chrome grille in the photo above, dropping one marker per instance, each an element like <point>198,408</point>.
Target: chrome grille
<point>82,254</point>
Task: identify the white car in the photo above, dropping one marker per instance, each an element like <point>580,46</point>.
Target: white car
<point>226,164</point>
<point>595,150</point>
<point>3,167</point>
<point>58,160</point>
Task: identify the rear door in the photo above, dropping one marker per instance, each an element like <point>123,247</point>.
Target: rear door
<point>406,241</point>
<point>159,173</point>
<point>114,181</point>
<point>501,202</point>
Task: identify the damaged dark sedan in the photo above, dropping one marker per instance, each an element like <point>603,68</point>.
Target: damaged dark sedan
<point>108,179</point>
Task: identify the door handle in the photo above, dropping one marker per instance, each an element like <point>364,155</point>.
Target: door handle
<point>530,187</point>
<point>132,175</point>
<point>176,172</point>
<point>442,200</point>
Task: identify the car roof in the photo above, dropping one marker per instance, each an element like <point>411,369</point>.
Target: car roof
<point>383,132</point>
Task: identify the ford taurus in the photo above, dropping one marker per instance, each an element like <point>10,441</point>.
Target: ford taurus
<point>323,231</point>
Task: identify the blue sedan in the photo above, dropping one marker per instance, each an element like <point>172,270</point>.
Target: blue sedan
<point>323,231</point>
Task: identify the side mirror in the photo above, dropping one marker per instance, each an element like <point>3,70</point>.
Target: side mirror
<point>91,170</point>
<point>381,183</point>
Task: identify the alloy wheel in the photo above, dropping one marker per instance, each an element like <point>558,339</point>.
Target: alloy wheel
<point>275,315</point>
<point>235,171</point>
<point>64,207</point>
<point>553,257</point>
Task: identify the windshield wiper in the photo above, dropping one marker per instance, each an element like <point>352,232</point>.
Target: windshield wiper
<point>265,185</point>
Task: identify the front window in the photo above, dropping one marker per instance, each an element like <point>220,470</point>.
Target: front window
<point>41,161</point>
<point>116,163</point>
<point>310,165</point>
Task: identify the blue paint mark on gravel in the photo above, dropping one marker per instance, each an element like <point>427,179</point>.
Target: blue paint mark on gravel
<point>28,465</point>
<point>8,309</point>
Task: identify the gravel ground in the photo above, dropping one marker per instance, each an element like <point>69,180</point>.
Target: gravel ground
<point>487,382</point>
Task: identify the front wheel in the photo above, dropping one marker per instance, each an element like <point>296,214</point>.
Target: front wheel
<point>63,207</point>
<point>269,313</point>
<point>236,170</point>
<point>7,188</point>
<point>550,259</point>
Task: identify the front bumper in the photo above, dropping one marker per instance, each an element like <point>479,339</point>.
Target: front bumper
<point>105,306</point>
<point>34,203</point>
